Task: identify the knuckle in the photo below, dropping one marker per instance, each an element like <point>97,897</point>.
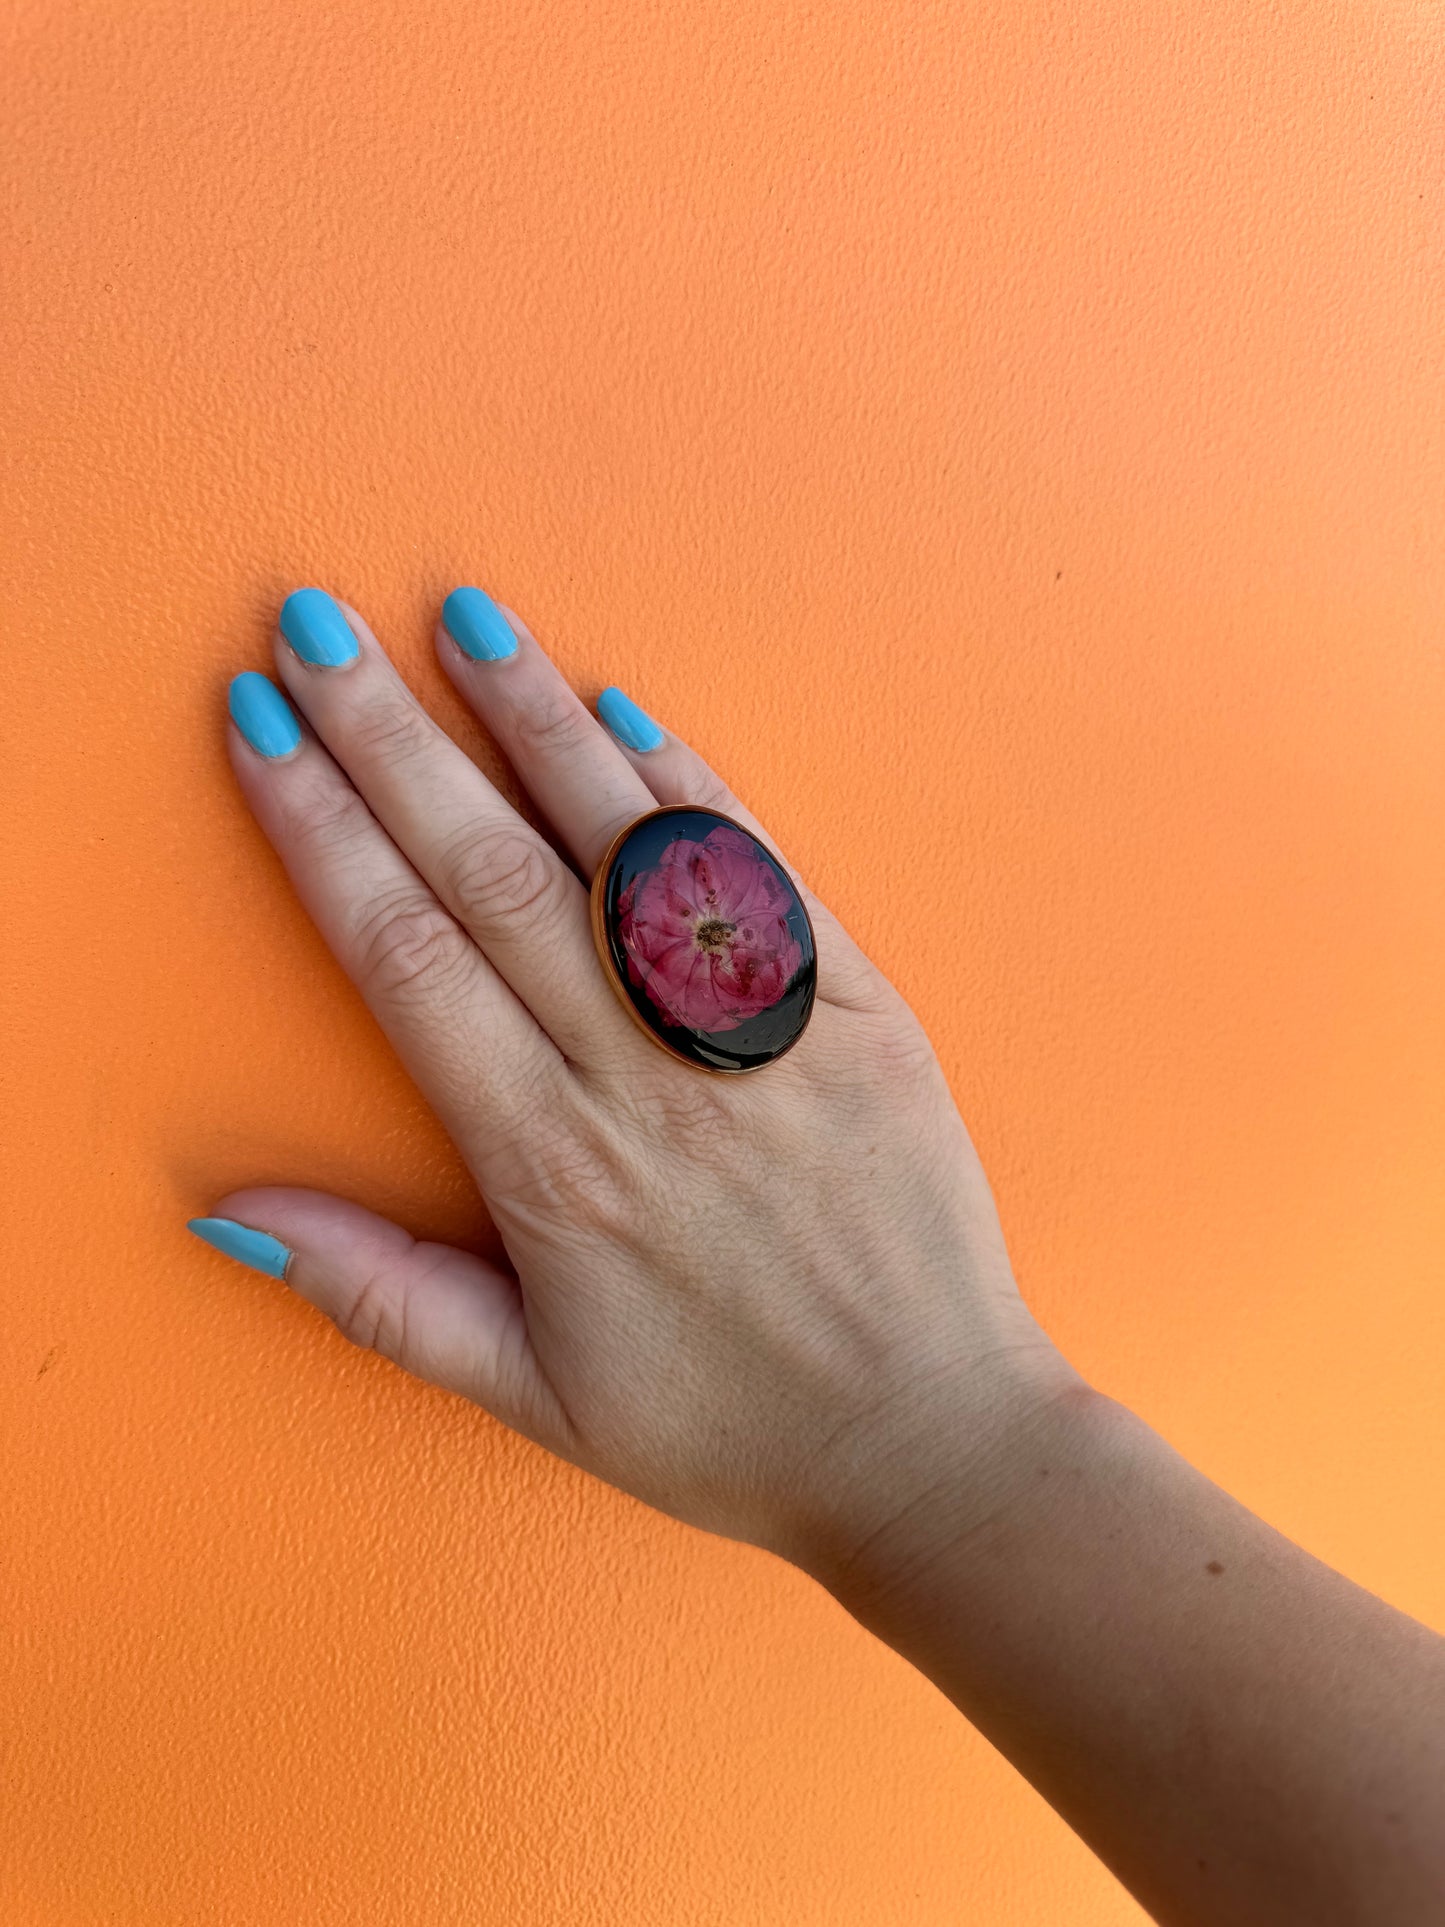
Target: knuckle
<point>388,732</point>
<point>901,1055</point>
<point>550,724</point>
<point>711,1125</point>
<point>706,1123</point>
<point>710,792</point>
<point>407,946</point>
<point>498,875</point>
<point>374,1317</point>
<point>334,820</point>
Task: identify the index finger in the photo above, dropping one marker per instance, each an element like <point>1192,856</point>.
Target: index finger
<point>471,1045</point>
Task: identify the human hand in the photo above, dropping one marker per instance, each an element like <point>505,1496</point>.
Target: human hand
<point>755,1302</point>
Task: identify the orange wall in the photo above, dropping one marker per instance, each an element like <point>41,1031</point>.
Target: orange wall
<point>1008,441</point>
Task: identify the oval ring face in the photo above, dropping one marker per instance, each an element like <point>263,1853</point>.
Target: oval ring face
<point>705,939</point>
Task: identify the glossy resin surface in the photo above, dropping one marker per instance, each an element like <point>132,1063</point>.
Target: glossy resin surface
<point>706,939</point>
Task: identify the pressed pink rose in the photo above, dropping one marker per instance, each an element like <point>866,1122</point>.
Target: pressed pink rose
<point>706,931</point>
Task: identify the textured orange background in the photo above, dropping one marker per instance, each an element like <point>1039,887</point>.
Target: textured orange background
<point>1008,441</point>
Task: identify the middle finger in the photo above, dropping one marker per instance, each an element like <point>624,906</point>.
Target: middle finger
<point>572,768</point>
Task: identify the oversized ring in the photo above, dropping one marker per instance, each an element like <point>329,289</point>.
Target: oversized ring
<point>705,939</point>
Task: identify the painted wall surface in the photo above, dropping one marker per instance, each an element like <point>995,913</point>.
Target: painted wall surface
<point>1008,441</point>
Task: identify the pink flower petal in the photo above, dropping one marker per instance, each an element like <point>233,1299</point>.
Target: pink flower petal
<point>722,880</point>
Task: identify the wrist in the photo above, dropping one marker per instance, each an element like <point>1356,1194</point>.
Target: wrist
<point>964,1456</point>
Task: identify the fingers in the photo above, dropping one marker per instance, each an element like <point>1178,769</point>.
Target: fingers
<point>674,773</point>
<point>470,1044</point>
<point>442,1314</point>
<point>568,761</point>
<point>592,778</point>
<point>502,882</point>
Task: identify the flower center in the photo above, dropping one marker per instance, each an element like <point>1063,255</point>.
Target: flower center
<point>713,935</point>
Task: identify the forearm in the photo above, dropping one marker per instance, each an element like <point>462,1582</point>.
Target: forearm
<point>1240,1733</point>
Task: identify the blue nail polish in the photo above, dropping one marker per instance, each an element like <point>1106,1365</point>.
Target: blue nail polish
<point>628,723</point>
<point>477,626</point>
<point>255,1248</point>
<point>316,629</point>
<point>262,714</point>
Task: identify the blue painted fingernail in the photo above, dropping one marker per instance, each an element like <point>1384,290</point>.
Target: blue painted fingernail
<point>477,626</point>
<point>255,1248</point>
<point>262,714</point>
<point>316,629</point>
<point>628,723</point>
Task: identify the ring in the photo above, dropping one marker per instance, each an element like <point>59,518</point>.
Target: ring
<point>705,939</point>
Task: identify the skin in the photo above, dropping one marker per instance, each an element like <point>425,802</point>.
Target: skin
<point>831,1361</point>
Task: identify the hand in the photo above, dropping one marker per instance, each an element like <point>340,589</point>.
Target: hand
<point>779,1306</point>
<point>753,1302</point>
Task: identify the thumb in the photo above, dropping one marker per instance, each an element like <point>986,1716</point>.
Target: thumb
<point>442,1314</point>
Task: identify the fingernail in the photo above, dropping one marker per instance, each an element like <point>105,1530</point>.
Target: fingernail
<point>316,629</point>
<point>628,723</point>
<point>255,1248</point>
<point>262,714</point>
<point>477,626</point>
